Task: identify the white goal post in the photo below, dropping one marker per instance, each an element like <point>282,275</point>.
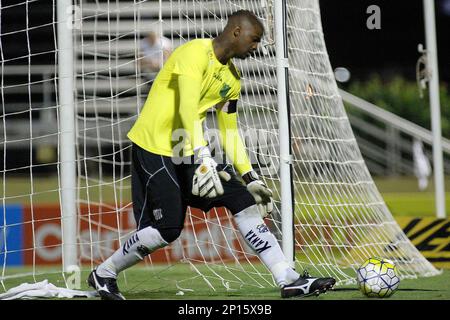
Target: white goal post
<point>284,119</point>
<point>291,117</point>
<point>67,142</point>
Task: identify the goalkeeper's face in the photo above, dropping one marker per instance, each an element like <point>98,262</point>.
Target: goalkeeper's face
<point>247,39</point>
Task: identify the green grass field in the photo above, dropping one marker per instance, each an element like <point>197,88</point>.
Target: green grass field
<point>404,199</point>
<point>401,196</point>
<point>180,283</point>
<point>421,289</point>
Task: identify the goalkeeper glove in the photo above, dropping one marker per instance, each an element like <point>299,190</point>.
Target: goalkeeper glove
<point>206,181</point>
<point>259,191</point>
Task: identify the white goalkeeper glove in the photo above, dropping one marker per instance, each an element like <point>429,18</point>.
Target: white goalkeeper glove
<point>259,191</point>
<point>206,181</point>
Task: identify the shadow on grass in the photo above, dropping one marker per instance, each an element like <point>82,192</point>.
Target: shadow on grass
<point>409,289</point>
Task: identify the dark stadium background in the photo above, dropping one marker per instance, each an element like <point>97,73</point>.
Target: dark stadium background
<point>389,51</point>
<point>393,49</point>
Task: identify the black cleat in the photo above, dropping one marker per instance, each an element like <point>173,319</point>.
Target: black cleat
<point>306,286</point>
<point>106,287</point>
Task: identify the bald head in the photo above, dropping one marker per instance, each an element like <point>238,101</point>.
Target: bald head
<point>241,35</point>
<point>244,18</point>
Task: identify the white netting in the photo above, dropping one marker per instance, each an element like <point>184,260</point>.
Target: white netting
<point>340,218</point>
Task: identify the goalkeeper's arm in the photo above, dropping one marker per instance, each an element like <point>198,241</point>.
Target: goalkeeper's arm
<point>206,180</point>
<point>235,150</point>
<point>230,138</point>
<point>189,93</point>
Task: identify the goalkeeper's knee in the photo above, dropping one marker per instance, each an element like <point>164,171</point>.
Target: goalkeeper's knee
<point>170,235</point>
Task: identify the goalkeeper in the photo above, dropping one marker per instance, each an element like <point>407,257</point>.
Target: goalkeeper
<point>166,179</point>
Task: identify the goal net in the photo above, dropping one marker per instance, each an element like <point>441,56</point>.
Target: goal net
<point>340,219</point>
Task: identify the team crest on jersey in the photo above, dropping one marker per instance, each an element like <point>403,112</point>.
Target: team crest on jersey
<point>262,228</point>
<point>224,90</point>
<point>157,213</point>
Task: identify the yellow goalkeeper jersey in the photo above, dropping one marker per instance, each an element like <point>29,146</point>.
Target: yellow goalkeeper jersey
<point>191,81</point>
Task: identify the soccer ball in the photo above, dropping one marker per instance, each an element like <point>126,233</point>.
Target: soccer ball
<point>377,277</point>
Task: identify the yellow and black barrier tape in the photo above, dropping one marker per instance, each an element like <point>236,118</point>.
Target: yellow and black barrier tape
<point>431,236</point>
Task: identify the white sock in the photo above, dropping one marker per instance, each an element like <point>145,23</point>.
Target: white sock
<point>263,242</point>
<point>139,245</point>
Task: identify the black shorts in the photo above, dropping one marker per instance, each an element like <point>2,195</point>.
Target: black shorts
<point>161,191</point>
